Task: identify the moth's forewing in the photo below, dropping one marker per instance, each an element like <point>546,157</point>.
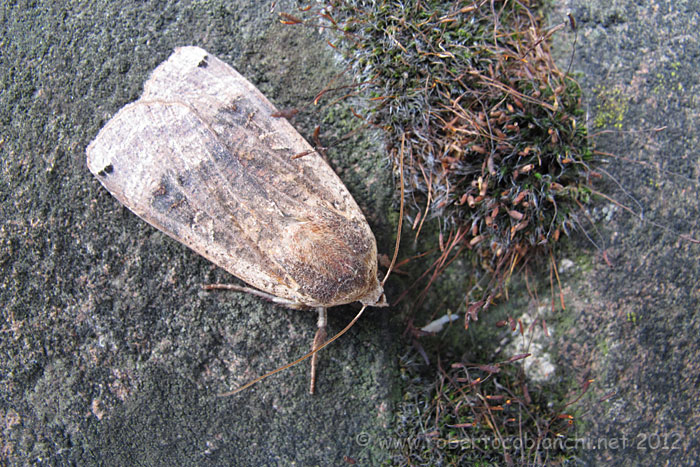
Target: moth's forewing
<point>200,157</point>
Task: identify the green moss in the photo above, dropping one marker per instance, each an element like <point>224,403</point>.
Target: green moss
<point>493,140</point>
<point>668,80</point>
<point>612,108</point>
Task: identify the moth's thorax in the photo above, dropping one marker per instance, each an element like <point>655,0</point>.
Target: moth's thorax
<point>331,258</point>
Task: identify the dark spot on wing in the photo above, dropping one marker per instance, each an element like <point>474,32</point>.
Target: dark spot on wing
<point>106,171</point>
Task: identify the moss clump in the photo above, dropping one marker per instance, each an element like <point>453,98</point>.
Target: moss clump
<point>488,128</point>
<point>483,415</point>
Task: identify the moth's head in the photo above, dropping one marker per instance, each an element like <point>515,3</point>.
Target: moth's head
<point>375,297</point>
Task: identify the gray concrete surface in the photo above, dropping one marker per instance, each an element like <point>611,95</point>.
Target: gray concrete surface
<point>634,326</point>
<point>111,353</point>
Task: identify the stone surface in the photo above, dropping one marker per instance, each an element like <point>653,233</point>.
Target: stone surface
<point>111,353</point>
<point>633,325</point>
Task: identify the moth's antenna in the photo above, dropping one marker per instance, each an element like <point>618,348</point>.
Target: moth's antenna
<point>298,360</point>
<point>398,230</point>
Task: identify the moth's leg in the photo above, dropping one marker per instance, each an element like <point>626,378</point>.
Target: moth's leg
<point>259,293</point>
<point>319,339</point>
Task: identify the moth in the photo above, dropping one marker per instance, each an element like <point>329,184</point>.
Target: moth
<point>201,157</point>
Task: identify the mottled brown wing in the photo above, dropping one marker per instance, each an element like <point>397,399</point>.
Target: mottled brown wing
<point>200,157</point>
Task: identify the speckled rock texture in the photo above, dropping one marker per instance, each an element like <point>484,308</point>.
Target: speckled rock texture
<point>111,352</point>
<point>635,322</point>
